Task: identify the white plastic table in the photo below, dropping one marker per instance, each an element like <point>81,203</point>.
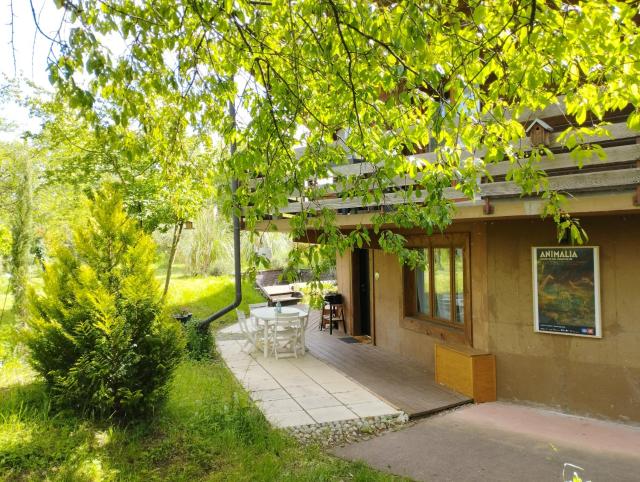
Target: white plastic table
<point>268,314</point>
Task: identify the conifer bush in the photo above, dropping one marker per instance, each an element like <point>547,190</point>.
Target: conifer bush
<point>99,334</point>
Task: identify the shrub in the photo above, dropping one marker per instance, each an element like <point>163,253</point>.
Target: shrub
<point>99,334</point>
<point>199,342</point>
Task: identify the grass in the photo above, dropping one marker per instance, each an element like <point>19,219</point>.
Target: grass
<point>207,430</point>
<point>205,295</point>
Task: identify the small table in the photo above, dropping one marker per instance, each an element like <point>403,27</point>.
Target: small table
<point>267,314</point>
<point>285,294</point>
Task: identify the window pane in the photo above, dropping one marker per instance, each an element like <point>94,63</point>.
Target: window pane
<point>423,288</point>
<point>459,273</point>
<point>442,282</point>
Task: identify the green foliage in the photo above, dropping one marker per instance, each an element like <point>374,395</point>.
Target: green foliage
<point>5,241</point>
<point>21,232</point>
<point>8,334</point>
<point>315,291</point>
<point>568,228</point>
<point>99,334</point>
<point>207,249</point>
<point>207,429</point>
<point>390,76</point>
<point>199,342</point>
<point>164,173</point>
<point>34,213</point>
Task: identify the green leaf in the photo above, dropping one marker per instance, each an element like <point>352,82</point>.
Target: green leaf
<point>633,121</point>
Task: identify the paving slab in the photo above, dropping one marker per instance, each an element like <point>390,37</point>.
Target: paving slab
<point>290,419</point>
<point>504,442</point>
<point>331,414</point>
<point>369,409</point>
<point>355,397</point>
<point>298,391</point>
<point>270,395</point>
<point>320,401</point>
<point>285,405</point>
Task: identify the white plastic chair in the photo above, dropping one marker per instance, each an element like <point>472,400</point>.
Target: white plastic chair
<point>250,330</point>
<point>304,322</point>
<point>257,321</point>
<point>285,334</point>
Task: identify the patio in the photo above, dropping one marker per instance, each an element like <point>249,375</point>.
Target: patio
<point>300,391</point>
<point>335,381</point>
<point>400,381</point>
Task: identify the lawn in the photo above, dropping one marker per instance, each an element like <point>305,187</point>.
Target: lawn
<point>206,295</point>
<point>207,430</point>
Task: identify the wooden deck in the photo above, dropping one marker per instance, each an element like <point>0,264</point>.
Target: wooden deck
<point>399,380</point>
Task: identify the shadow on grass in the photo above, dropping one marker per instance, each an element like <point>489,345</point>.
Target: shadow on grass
<point>35,443</point>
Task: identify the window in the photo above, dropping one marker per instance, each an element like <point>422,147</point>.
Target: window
<point>439,292</point>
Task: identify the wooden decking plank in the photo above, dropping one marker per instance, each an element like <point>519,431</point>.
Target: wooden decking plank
<point>403,382</point>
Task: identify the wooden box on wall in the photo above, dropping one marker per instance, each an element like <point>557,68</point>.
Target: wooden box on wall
<point>467,371</point>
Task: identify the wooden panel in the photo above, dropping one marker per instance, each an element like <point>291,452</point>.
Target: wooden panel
<point>454,370</point>
<point>372,295</point>
<point>387,292</point>
<point>571,182</point>
<point>565,160</point>
<point>343,281</point>
<point>467,371</point>
<point>479,290</point>
<point>615,131</point>
<point>484,378</point>
<point>616,154</point>
<point>588,203</point>
<point>433,330</point>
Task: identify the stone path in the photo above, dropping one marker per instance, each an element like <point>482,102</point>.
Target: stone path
<point>300,391</point>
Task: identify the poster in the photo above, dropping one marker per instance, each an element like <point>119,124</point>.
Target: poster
<point>566,290</point>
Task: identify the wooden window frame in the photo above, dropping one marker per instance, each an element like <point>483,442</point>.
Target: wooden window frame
<point>447,330</point>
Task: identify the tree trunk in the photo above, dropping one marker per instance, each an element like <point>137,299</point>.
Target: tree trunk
<point>177,232</point>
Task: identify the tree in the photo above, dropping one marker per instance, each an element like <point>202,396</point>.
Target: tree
<point>99,334</point>
<point>16,217</point>
<point>394,76</point>
<point>30,208</point>
<point>21,233</point>
<point>164,172</point>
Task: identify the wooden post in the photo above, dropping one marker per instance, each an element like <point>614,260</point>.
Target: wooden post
<point>636,197</point>
<point>488,207</point>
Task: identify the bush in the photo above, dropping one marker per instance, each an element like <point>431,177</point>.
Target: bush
<point>99,334</point>
<point>199,342</point>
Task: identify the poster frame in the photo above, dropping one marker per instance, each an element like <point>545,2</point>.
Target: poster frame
<point>596,289</point>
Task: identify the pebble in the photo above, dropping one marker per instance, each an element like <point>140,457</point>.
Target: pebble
<point>331,434</point>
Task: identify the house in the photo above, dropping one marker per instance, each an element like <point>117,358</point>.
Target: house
<point>560,322</point>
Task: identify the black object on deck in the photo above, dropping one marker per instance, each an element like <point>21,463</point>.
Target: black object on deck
<point>332,311</point>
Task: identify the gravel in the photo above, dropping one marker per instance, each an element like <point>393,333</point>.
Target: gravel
<point>332,434</point>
